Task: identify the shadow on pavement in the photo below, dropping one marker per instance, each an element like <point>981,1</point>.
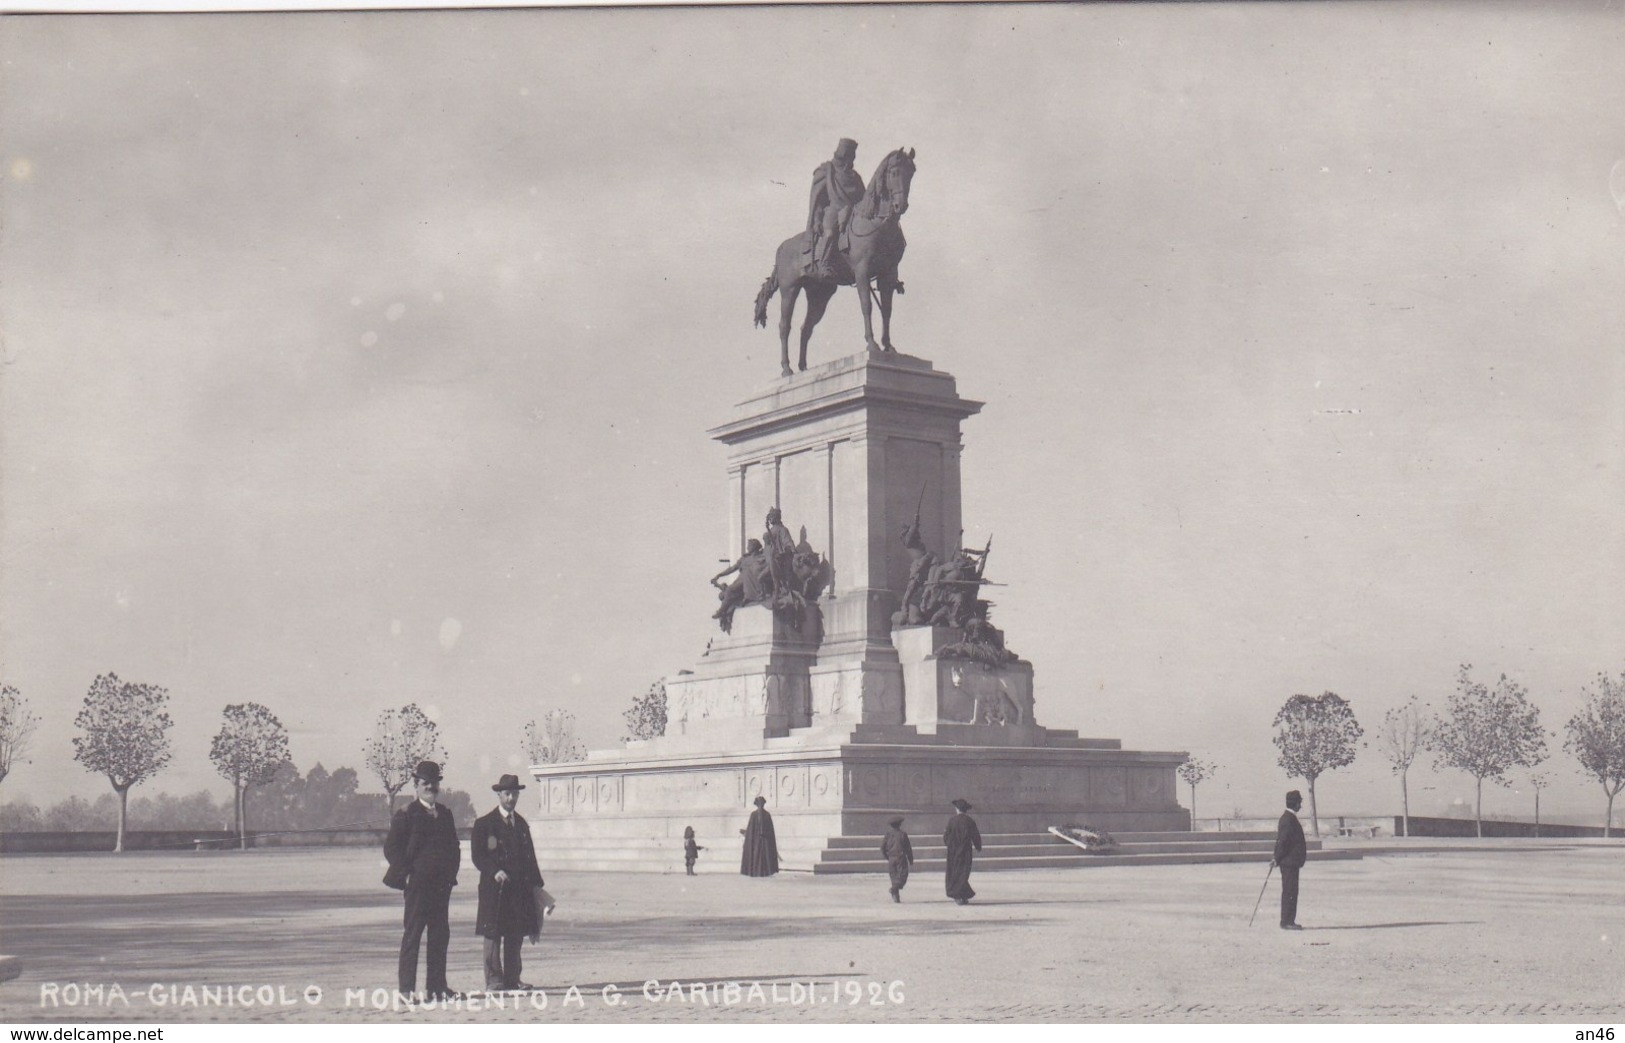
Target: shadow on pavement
<point>1034,901</point>
<point>206,936</point>
<point>1404,923</point>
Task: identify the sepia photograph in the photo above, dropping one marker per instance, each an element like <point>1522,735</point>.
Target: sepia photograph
<point>1061,514</point>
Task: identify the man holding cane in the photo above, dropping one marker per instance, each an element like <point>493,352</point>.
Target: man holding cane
<point>506,858</point>
<point>1291,852</point>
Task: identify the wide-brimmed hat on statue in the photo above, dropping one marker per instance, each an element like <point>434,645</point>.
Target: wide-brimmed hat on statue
<point>507,782</point>
<point>428,771</point>
<point>760,802</point>
<point>961,803</point>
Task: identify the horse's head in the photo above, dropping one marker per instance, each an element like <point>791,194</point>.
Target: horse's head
<point>892,180</point>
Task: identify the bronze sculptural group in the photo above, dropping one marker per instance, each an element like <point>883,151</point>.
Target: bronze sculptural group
<point>854,237</point>
<point>948,593</point>
<point>776,571</point>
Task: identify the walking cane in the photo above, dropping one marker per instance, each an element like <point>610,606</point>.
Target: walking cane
<point>1261,890</point>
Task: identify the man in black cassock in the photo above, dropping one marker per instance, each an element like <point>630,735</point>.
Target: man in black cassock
<point>1291,852</point>
<point>761,856</point>
<point>899,855</point>
<point>961,838</point>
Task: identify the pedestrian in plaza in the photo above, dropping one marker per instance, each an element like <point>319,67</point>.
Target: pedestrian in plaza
<point>899,855</point>
<point>1291,852</point>
<point>691,849</point>
<point>424,856</point>
<point>509,877</point>
<point>761,854</point>
<point>962,838</point>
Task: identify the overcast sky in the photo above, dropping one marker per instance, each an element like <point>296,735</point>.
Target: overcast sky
<point>353,360</point>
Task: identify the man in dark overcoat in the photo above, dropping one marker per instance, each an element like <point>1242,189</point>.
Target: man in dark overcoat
<point>899,855</point>
<point>422,850</point>
<point>506,858</point>
<point>961,839</point>
<point>761,854</point>
<point>1291,852</point>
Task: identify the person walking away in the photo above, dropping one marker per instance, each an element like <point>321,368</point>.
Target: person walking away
<point>961,839</point>
<point>899,855</point>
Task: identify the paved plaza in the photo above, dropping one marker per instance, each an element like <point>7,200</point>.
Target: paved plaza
<point>1506,931</point>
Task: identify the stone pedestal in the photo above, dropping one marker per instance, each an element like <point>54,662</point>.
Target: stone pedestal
<point>753,684</point>
<point>838,722</point>
<point>955,691</point>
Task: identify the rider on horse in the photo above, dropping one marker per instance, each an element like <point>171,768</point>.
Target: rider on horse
<point>836,188</point>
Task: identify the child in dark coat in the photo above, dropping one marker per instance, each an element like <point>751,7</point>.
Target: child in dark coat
<point>691,850</point>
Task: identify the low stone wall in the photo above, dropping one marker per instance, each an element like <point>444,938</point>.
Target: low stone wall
<point>1466,827</point>
<point>66,842</point>
<point>1330,825</point>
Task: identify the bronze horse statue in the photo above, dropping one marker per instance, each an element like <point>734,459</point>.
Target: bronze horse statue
<point>876,245</point>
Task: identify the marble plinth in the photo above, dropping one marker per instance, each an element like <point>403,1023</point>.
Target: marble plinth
<point>956,691</point>
<point>627,809</point>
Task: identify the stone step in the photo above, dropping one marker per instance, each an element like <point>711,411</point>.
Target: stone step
<point>928,851</point>
<point>860,854</point>
<point>1079,861</point>
<point>1126,839</point>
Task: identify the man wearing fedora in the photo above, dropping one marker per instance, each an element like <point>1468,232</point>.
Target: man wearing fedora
<point>423,854</point>
<point>1291,852</point>
<point>506,858</point>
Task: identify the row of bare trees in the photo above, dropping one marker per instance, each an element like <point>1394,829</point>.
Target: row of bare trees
<point>124,735</point>
<point>1484,731</point>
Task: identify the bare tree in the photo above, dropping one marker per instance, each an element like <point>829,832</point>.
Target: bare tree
<point>647,717</point>
<point>1195,772</point>
<point>1488,732</point>
<point>126,736</point>
<point>17,724</point>
<point>249,748</point>
<point>1315,734</point>
<point>400,740</point>
<point>1597,739</point>
<point>553,740</point>
<point>1405,731</point>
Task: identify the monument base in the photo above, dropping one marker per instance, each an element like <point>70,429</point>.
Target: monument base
<point>627,809</point>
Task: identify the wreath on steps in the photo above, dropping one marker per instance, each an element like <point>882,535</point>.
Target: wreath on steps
<point>1091,838</point>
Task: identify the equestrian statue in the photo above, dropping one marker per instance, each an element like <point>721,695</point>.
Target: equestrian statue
<point>854,237</point>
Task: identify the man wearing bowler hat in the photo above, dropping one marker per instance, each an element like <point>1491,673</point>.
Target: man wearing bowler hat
<point>506,858</point>
<point>422,850</point>
<point>1291,852</point>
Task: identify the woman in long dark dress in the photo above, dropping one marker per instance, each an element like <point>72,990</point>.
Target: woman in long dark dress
<point>961,839</point>
<point>761,854</point>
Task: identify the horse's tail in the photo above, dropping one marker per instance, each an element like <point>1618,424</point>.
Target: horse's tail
<point>770,286</point>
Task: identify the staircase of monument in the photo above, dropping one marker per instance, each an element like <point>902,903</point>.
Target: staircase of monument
<point>861,854</point>
<point>1047,851</point>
